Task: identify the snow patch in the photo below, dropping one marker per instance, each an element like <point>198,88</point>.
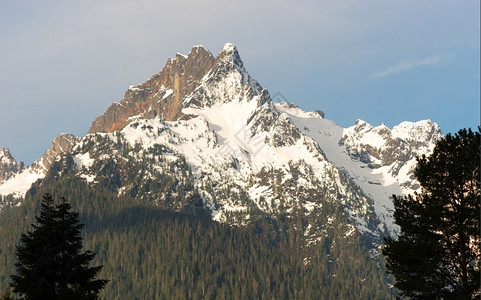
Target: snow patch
<point>83,160</point>
<point>167,93</point>
<point>20,183</point>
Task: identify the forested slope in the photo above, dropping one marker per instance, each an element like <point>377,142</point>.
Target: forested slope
<point>149,252</point>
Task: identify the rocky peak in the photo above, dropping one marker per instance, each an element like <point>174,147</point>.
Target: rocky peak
<point>61,144</point>
<point>396,149</point>
<point>8,165</point>
<point>161,95</point>
<point>422,134</point>
<point>375,146</point>
<point>227,81</point>
<point>317,114</point>
<point>197,79</point>
<point>184,73</point>
<point>288,105</point>
<point>229,54</point>
<point>6,157</point>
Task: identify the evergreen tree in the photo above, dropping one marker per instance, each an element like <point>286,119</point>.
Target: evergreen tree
<point>51,264</point>
<point>437,253</point>
<point>153,248</point>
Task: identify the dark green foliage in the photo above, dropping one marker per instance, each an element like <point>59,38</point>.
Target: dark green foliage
<point>156,240</point>
<point>152,253</point>
<point>437,253</point>
<point>51,264</point>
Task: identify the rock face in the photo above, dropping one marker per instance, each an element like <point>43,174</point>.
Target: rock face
<point>196,80</point>
<point>8,165</point>
<point>396,149</point>
<point>61,144</point>
<point>227,81</point>
<point>238,118</point>
<point>161,95</point>
<point>205,120</point>
<point>16,178</point>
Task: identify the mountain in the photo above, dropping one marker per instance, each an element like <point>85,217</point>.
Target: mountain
<point>161,95</point>
<point>8,165</point>
<point>380,161</point>
<point>211,113</point>
<point>202,134</point>
<point>17,178</point>
<point>182,78</point>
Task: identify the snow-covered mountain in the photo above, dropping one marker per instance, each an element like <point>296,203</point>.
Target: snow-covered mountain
<point>18,178</point>
<point>379,160</point>
<point>8,165</point>
<point>206,122</point>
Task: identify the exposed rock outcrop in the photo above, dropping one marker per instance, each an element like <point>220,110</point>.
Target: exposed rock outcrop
<point>8,165</point>
<point>227,81</point>
<point>396,149</point>
<point>161,95</point>
<point>61,144</point>
<point>197,80</point>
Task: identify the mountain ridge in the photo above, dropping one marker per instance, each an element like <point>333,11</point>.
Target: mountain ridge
<point>210,113</point>
<point>164,93</point>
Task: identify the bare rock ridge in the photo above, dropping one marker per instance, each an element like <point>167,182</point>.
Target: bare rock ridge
<point>163,94</point>
<point>16,178</point>
<point>207,115</point>
<point>198,79</point>
<point>396,149</point>
<point>63,143</point>
<point>8,165</point>
<point>227,81</point>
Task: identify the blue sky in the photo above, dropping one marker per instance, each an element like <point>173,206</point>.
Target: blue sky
<point>63,63</point>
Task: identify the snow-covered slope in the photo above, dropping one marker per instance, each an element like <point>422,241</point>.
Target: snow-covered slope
<point>207,122</point>
<point>379,160</point>
<point>18,182</point>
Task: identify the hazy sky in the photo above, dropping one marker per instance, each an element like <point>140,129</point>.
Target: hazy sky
<point>62,63</point>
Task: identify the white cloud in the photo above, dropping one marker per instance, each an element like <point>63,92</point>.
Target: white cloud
<point>411,64</point>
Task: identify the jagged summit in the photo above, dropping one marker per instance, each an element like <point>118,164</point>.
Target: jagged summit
<point>422,133</point>
<point>197,79</point>
<point>63,143</point>
<point>228,48</point>
<point>8,165</point>
<point>161,95</point>
<point>16,178</point>
<point>207,115</point>
<point>229,53</point>
<point>295,110</point>
<point>227,81</point>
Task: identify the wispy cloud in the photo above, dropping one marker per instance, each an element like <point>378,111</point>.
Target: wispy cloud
<point>411,64</point>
